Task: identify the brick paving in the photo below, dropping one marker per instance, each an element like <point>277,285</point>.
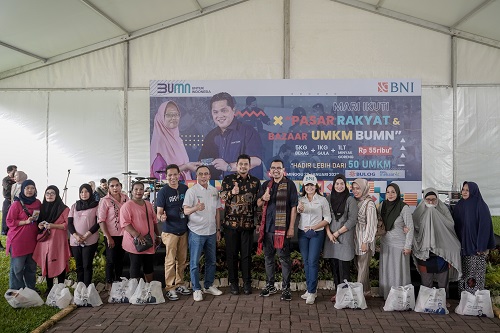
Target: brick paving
<point>251,313</point>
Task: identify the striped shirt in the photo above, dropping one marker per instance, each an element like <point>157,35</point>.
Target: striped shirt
<point>366,227</point>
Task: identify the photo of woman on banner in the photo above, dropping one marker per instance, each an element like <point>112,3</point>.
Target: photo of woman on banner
<point>167,146</point>
<point>231,138</point>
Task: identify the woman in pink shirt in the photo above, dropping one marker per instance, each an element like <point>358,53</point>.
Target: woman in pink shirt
<point>21,238</point>
<point>108,216</point>
<point>53,254</point>
<point>83,227</point>
<point>138,218</point>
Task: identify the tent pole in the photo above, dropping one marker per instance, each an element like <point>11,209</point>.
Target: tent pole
<point>455,108</point>
<point>286,39</point>
<point>125,109</point>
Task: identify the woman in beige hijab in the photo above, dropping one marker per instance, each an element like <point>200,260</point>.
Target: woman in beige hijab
<point>364,240</point>
<point>19,178</point>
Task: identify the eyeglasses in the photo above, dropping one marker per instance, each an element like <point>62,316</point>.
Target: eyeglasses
<point>172,115</point>
<point>431,201</point>
<point>277,168</point>
<point>310,184</point>
<point>50,193</point>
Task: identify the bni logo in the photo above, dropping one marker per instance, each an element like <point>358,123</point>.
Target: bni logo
<point>383,87</point>
<point>395,87</point>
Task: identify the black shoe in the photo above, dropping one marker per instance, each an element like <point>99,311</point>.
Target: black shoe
<point>268,290</point>
<point>247,289</point>
<point>286,295</point>
<point>235,289</point>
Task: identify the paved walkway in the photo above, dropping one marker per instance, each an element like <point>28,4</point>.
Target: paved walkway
<point>251,313</point>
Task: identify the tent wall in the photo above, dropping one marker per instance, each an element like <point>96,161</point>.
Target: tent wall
<point>90,114</point>
<point>330,40</point>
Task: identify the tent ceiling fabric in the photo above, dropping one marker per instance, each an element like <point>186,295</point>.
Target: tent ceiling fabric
<point>57,30</point>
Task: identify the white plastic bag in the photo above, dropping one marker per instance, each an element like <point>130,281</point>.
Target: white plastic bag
<point>478,304</point>
<point>350,295</point>
<point>86,296</point>
<point>59,296</point>
<point>431,300</point>
<point>23,298</point>
<point>122,291</point>
<point>148,293</point>
<point>400,299</point>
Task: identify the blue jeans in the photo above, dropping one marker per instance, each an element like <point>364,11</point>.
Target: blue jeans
<point>22,272</point>
<point>198,243</point>
<point>310,249</point>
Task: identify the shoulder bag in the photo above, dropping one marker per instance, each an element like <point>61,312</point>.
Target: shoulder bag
<point>140,247</point>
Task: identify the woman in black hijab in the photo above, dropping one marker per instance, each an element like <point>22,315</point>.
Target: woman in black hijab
<point>83,227</point>
<point>474,229</point>
<point>339,245</point>
<point>395,245</point>
<point>52,255</point>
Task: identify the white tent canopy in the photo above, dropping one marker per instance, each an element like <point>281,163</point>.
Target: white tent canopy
<point>74,75</point>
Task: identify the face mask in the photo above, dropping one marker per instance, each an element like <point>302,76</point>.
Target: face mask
<point>428,205</point>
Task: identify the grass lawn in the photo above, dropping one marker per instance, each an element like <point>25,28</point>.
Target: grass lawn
<point>18,320</point>
<point>496,225</point>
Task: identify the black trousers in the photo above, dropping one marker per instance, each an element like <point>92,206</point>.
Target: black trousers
<point>239,243</point>
<point>84,257</point>
<point>341,271</point>
<point>114,259</point>
<point>5,210</point>
<point>50,279</point>
<point>138,260</point>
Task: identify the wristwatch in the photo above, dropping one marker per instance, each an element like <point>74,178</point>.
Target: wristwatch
<point>228,169</point>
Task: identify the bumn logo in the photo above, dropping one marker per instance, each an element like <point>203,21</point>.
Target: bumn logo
<point>178,88</point>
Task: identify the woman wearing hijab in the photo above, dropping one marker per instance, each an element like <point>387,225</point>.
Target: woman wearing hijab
<point>436,248</point>
<point>366,228</point>
<point>53,254</point>
<point>314,217</point>
<point>83,227</point>
<point>21,238</point>
<point>166,144</point>
<point>19,178</point>
<point>339,245</point>
<point>474,229</point>
<point>395,245</point>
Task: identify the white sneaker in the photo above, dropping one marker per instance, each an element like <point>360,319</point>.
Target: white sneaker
<point>212,290</point>
<point>172,295</point>
<point>197,296</point>
<point>311,298</point>
<point>304,295</point>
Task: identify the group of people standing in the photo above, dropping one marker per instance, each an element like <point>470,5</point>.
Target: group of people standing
<point>37,233</point>
<point>341,226</point>
<point>444,246</point>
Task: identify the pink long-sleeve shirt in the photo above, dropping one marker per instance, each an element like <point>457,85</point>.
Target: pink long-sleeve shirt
<point>21,239</point>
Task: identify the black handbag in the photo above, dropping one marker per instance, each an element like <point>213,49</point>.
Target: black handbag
<point>140,247</point>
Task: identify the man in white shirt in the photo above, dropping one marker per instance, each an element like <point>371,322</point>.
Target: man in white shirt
<point>202,204</point>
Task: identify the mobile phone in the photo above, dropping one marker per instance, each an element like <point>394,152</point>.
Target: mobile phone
<point>36,214</point>
<point>206,161</point>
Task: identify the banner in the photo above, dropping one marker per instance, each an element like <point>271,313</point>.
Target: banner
<point>361,128</point>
